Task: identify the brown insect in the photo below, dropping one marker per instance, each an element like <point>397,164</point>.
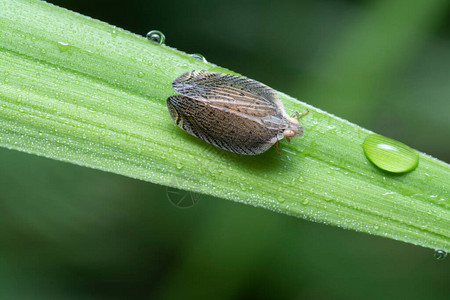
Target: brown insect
<point>234,113</point>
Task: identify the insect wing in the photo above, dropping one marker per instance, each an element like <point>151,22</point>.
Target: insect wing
<point>228,89</point>
<point>225,129</point>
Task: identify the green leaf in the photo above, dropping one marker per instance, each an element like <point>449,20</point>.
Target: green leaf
<point>78,90</point>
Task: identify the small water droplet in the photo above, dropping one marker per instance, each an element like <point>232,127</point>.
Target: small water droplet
<point>327,197</point>
<point>156,36</point>
<point>179,165</point>
<point>390,155</point>
<point>305,201</point>
<point>199,57</point>
<point>63,47</point>
<point>114,33</point>
<point>442,200</point>
<point>388,194</point>
<point>440,254</point>
<point>140,74</point>
<point>281,199</point>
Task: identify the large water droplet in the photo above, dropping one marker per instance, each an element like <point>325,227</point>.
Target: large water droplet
<point>440,254</point>
<point>390,155</point>
<point>156,36</point>
<point>199,57</point>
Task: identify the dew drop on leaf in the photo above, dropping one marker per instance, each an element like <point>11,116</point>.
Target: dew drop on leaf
<point>156,37</point>
<point>390,155</point>
<point>440,254</point>
<point>199,57</point>
<point>63,47</point>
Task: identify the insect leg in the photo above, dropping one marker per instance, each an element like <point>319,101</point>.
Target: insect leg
<point>298,115</point>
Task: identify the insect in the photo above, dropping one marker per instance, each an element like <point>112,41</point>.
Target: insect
<point>231,112</point>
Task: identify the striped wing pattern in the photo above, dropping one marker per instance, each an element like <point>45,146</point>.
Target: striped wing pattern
<point>231,112</point>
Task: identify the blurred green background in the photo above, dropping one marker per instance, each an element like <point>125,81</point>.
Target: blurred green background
<point>68,232</point>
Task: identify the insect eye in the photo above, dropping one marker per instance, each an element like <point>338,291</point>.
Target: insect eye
<point>289,133</point>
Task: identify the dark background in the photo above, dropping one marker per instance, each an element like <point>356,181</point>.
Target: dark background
<point>68,232</point>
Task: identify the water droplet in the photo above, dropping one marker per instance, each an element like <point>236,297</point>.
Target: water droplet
<point>305,201</point>
<point>140,74</point>
<point>390,155</point>
<point>156,36</point>
<point>199,57</point>
<point>388,194</point>
<point>114,33</point>
<point>179,166</point>
<point>281,199</point>
<point>327,197</point>
<point>440,254</point>
<point>63,47</point>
